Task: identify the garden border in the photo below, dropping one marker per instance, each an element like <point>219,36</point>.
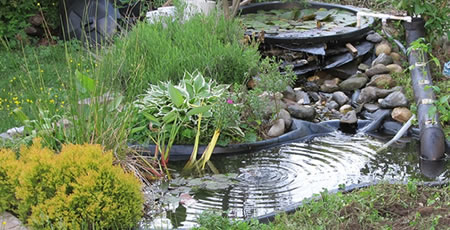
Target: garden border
<point>300,131</point>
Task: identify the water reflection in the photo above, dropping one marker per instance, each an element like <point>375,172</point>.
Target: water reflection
<point>270,180</point>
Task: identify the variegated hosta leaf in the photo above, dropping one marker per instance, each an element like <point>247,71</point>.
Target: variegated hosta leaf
<point>195,90</point>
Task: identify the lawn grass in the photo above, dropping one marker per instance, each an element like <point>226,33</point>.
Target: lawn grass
<point>383,206</point>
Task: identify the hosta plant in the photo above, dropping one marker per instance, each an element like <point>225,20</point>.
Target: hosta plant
<point>171,114</point>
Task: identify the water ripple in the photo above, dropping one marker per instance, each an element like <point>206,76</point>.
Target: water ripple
<point>272,179</point>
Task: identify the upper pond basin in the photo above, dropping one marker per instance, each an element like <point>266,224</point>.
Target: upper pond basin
<point>255,184</point>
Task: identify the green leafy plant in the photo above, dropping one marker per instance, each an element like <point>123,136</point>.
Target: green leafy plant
<point>421,49</point>
<point>441,105</point>
<point>261,104</point>
<point>167,112</point>
<point>435,12</point>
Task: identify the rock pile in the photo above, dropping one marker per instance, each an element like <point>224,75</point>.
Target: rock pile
<point>325,96</point>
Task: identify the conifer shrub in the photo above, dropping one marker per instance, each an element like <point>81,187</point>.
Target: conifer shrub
<point>78,188</point>
<point>8,179</point>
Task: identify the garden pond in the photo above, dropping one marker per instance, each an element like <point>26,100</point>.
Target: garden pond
<point>256,184</point>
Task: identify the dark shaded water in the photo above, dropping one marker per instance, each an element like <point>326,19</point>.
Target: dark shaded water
<point>259,183</point>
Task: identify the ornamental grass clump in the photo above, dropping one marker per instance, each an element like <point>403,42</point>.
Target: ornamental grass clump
<point>76,189</point>
<point>152,53</point>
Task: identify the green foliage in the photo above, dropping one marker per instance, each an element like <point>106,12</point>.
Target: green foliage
<point>441,105</point>
<point>211,221</point>
<point>152,53</point>
<point>435,12</point>
<point>76,188</point>
<point>165,105</point>
<point>15,14</point>
<point>260,105</point>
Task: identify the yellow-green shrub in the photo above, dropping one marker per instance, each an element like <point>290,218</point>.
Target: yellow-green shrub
<point>8,179</point>
<point>77,188</point>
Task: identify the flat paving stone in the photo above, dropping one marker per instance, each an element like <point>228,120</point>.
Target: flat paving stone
<point>10,222</point>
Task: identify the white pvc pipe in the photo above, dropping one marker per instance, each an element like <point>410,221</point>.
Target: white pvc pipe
<point>383,17</point>
<point>399,133</point>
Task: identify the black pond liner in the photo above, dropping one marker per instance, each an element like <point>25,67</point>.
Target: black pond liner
<point>300,131</point>
<point>305,37</point>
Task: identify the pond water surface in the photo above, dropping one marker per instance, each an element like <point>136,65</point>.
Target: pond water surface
<point>255,184</point>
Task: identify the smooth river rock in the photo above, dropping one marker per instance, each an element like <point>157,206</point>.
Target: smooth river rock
<point>289,93</point>
<point>349,118</point>
<point>340,97</point>
<point>377,69</point>
<point>395,99</point>
<point>330,86</point>
<point>277,128</point>
<point>345,109</point>
<point>284,114</point>
<point>353,83</point>
<point>374,37</point>
<point>371,107</point>
<point>401,114</point>
<point>382,81</point>
<point>367,94</point>
<point>302,98</point>
<point>383,59</point>
<point>383,48</point>
<point>302,112</point>
<point>394,68</point>
<point>332,105</point>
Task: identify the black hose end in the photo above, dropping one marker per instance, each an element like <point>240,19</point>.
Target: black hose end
<point>432,144</point>
<point>432,169</point>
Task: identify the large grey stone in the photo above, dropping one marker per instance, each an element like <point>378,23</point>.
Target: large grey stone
<point>311,86</point>
<point>10,222</point>
<point>302,112</point>
<point>381,93</point>
<point>374,37</point>
<point>383,59</point>
<point>396,57</point>
<point>332,105</point>
<point>302,97</point>
<point>345,109</point>
<point>371,107</point>
<point>289,93</point>
<point>277,128</point>
<point>349,118</point>
<point>363,67</point>
<point>314,96</point>
<point>383,48</point>
<point>394,68</point>
<point>395,99</point>
<point>353,83</point>
<point>382,81</point>
<point>284,114</point>
<point>330,86</point>
<point>340,97</point>
<point>377,69</point>
<point>367,94</point>
<point>401,114</point>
